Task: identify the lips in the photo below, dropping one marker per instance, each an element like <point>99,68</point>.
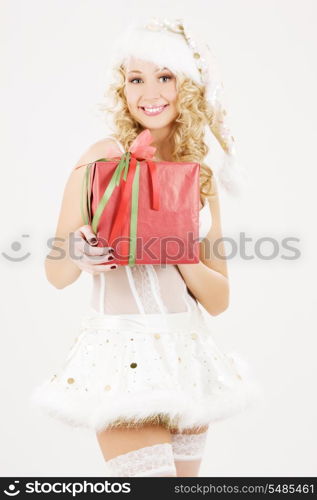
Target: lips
<point>153,110</point>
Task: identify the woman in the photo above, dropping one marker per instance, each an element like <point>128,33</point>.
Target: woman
<point>145,373</point>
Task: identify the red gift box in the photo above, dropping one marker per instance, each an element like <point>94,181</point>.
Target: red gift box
<point>148,211</point>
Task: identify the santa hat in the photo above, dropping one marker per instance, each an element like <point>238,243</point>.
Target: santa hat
<point>169,43</point>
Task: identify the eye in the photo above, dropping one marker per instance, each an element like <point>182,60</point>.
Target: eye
<point>138,79</point>
<point>133,80</point>
<point>166,76</point>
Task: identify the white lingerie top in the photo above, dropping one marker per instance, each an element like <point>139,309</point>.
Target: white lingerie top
<point>146,288</point>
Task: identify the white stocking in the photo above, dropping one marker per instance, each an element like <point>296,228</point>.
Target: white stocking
<point>154,460</point>
<point>188,446</point>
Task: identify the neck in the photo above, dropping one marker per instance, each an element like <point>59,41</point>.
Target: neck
<point>162,142</point>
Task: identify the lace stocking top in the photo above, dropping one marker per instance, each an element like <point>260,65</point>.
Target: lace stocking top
<point>145,288</point>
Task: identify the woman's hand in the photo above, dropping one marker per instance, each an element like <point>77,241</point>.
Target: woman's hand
<point>88,258</point>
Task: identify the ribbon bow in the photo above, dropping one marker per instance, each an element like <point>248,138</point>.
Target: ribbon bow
<point>129,165</point>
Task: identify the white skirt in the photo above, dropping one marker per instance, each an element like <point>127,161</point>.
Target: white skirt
<point>133,369</point>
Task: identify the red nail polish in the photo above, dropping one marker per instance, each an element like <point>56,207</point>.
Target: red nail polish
<point>113,267</point>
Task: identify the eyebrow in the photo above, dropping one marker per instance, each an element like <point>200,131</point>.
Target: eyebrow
<point>140,72</point>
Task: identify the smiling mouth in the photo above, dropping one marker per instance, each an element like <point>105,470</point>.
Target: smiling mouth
<point>151,111</point>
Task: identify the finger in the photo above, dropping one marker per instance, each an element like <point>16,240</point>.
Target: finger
<point>112,266</point>
<point>95,269</point>
<point>88,233</point>
<point>104,267</point>
<point>85,267</point>
<point>79,243</point>
<point>96,259</point>
<point>89,268</point>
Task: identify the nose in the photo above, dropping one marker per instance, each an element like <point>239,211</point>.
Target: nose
<point>151,93</point>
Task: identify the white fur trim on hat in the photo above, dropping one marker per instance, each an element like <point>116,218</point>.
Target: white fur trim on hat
<point>163,48</point>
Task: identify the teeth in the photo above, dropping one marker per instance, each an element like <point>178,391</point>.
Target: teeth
<point>153,110</point>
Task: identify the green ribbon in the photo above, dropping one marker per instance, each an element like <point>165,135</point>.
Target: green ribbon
<point>123,166</point>
<point>134,215</point>
<point>85,197</point>
<point>114,181</point>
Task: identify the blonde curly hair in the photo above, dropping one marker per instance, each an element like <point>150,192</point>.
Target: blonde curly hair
<point>188,132</point>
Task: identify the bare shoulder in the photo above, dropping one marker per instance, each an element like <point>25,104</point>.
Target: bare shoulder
<point>70,217</point>
<point>98,149</point>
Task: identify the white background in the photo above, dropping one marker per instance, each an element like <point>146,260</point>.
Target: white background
<point>53,61</point>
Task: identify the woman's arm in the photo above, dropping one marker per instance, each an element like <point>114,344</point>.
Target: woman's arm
<point>60,270</point>
<point>208,280</point>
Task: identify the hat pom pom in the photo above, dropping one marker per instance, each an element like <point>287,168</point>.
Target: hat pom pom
<point>232,177</point>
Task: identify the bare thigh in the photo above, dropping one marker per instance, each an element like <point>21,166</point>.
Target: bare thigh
<point>119,440</point>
